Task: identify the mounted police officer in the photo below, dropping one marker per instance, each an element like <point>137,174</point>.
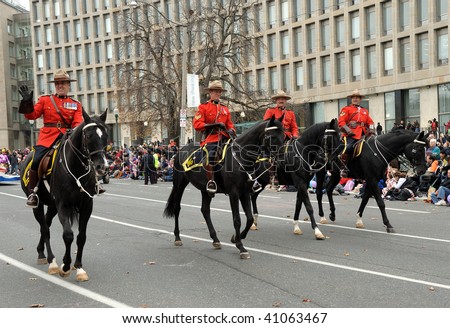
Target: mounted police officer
<point>213,119</point>
<point>60,113</point>
<point>354,122</point>
<point>289,120</point>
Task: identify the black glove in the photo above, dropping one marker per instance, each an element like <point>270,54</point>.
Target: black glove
<point>25,93</point>
<point>232,133</point>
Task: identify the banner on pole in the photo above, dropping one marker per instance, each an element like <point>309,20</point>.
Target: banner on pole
<point>193,90</point>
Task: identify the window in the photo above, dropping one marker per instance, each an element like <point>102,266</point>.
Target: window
<point>285,45</point>
<point>441,10</point>
<point>40,60</point>
<point>405,55</point>
<point>109,50</point>
<point>89,79</point>
<point>371,53</point>
<point>411,101</point>
<point>312,73</point>
<point>310,38</point>
<point>388,58</point>
<point>271,14</point>
<point>340,4</point>
<point>273,79</point>
<point>404,12</point>
<point>46,10</point>
<point>79,55</point>
<point>285,12</point>
<point>100,78</point>
<point>389,106</point>
<point>371,24</point>
<point>68,51</point>
<point>340,68</point>
<point>340,31</point>
<point>98,52</point>
<point>88,54</point>
<point>387,17</point>
<point>271,40</point>
<point>298,10</point>
<point>58,57</point>
<point>261,79</point>
<point>260,50</point>
<point>299,81</point>
<point>57,29</point>
<point>442,46</point>
<point>311,9</point>
<point>49,58</point>
<point>326,71</point>
<point>87,28</point>
<point>259,18</point>
<point>12,71</point>
<point>48,34</point>
<point>423,51</point>
<point>444,103</point>
<point>325,6</point>
<point>356,65</point>
<point>422,12</point>
<point>11,50</point>
<point>325,34</point>
<point>298,41</point>
<point>286,78</point>
<point>355,26</point>
<point>77,24</point>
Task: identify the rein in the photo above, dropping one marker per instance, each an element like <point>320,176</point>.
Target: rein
<point>297,154</point>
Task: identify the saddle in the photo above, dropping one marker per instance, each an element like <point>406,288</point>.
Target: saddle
<point>46,164</point>
<point>357,147</point>
<point>200,155</point>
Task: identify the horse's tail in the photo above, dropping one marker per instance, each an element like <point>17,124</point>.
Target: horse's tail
<point>169,210</point>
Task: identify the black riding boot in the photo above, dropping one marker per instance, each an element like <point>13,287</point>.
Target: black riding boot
<point>32,200</point>
<point>344,168</point>
<point>211,186</point>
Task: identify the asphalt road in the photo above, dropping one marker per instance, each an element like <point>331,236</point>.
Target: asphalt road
<point>132,261</point>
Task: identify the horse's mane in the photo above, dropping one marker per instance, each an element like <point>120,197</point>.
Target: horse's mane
<point>314,132</point>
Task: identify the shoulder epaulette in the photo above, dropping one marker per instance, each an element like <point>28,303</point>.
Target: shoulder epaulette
<point>75,100</point>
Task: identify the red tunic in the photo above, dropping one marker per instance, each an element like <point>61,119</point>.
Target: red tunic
<point>209,113</point>
<point>70,109</point>
<point>357,119</point>
<point>289,121</point>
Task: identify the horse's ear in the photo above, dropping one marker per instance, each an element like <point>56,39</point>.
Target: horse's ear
<point>421,136</point>
<point>103,116</point>
<point>86,116</point>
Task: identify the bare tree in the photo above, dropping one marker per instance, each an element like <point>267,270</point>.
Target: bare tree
<point>217,42</point>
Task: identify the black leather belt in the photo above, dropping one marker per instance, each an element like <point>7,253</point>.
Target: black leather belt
<point>58,125</point>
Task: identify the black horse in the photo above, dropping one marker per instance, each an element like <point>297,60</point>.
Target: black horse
<point>371,166</point>
<point>69,190</point>
<point>296,165</point>
<point>233,177</point>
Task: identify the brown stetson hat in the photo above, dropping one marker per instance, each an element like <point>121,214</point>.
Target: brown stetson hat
<point>60,76</point>
<point>281,94</point>
<point>355,93</point>
<point>215,85</point>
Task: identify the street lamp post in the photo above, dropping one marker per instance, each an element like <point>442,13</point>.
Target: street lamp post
<point>116,115</point>
<point>32,132</point>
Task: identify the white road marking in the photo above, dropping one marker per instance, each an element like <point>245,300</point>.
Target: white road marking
<point>64,284</point>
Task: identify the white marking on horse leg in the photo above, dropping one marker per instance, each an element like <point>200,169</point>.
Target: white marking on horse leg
<point>323,220</point>
<point>255,222</point>
<point>63,273</point>
<point>297,230</point>
<point>359,223</point>
<point>319,235</point>
<point>82,275</point>
<point>53,267</point>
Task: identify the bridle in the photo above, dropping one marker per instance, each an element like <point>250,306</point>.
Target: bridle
<point>84,156</point>
<point>255,156</point>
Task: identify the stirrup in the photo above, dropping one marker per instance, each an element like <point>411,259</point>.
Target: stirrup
<point>32,200</point>
<point>256,186</point>
<point>211,187</point>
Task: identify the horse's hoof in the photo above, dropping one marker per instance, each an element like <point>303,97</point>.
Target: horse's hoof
<point>82,275</point>
<point>254,227</point>
<point>63,273</point>
<point>298,231</point>
<point>233,240</point>
<point>217,245</point>
<point>332,217</point>
<point>178,243</point>
<point>42,261</point>
<point>360,225</point>
<point>390,230</point>
<point>244,256</point>
<point>323,220</point>
<point>319,235</point>
<point>53,268</point>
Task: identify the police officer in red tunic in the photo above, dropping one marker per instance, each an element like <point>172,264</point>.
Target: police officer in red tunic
<point>289,121</point>
<point>354,122</point>
<point>213,119</point>
<point>60,112</point>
